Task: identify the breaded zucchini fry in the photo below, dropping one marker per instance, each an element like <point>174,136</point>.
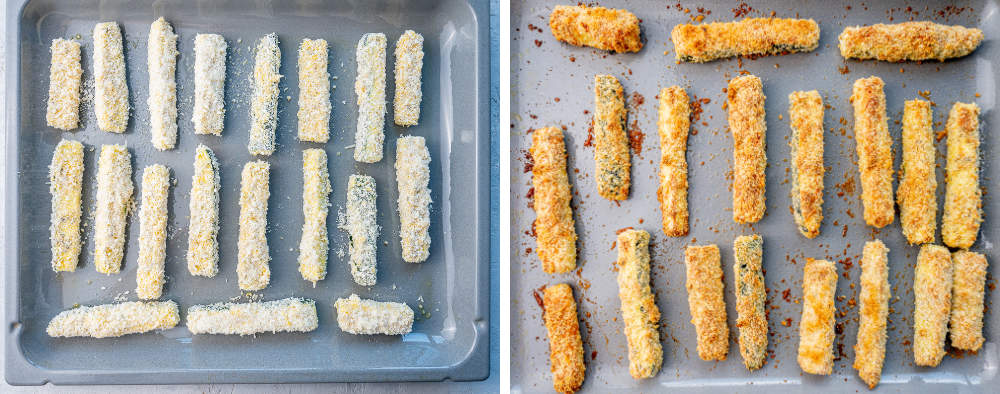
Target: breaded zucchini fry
<point>315,242</point>
<point>409,67</point>
<point>66,187</point>
<point>908,41</point>
<point>917,191</point>
<point>706,301</point>
<point>254,256</point>
<point>963,205</point>
<point>639,311</point>
<point>874,146</point>
<point>369,87</point>
<point>598,27</point>
<point>556,231</point>
<point>610,141</point>
<point>869,350</point>
<point>203,231</point>
<point>362,229</point>
<point>749,37</point>
<point>413,176</point>
<point>750,297</point>
<point>114,320</point>
<point>152,232</point>
<point>65,75</point>
<point>745,97</point>
<point>367,317</point>
<point>110,89</point>
<point>806,112</point>
<point>314,91</point>
<point>565,345</point>
<point>285,315</point>
<point>932,283</point>
<point>819,285</point>
<point>967,300</point>
<point>673,126</point>
<point>209,84</point>
<point>161,58</point>
<point>264,103</point>
<point>114,199</point>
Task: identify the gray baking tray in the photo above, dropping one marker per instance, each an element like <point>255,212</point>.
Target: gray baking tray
<point>449,292</point>
<point>550,88</point>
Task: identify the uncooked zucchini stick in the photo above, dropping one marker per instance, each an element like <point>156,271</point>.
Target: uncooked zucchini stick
<point>556,231</point>
<point>869,350</point>
<point>749,37</point>
<point>110,90</point>
<point>673,126</point>
<point>227,318</point>
<point>409,65</point>
<point>565,345</point>
<point>367,317</point>
<point>313,249</point>
<point>114,320</point>
<point>152,232</point>
<point>806,112</point>
<point>967,300</point>
<point>203,231</point>
<point>610,141</point>
<point>314,91</point>
<point>114,198</point>
<point>209,84</point>
<point>66,187</point>
<point>65,75</point>
<point>917,191</point>
<point>369,87</point>
<point>264,104</point>
<point>746,122</point>
<point>750,297</point>
<point>639,311</point>
<point>932,285</point>
<point>252,263</point>
<point>362,229</point>
<point>706,301</point>
<point>162,62</point>
<point>598,27</point>
<point>908,41</point>
<point>874,147</point>
<point>819,285</point>
<point>963,212</point>
<point>413,175</point>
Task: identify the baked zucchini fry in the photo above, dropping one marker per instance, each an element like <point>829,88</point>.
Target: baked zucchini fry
<point>362,229</point>
<point>114,320</point>
<point>65,75</point>
<point>749,37</point>
<point>869,350</point>
<point>908,41</point>
<point>367,317</point>
<point>209,84</point>
<point>874,147</point>
<point>598,27</point>
<point>114,199</point>
<point>161,59</point>
<point>673,126</point>
<point>610,141</point>
<point>963,206</point>
<point>203,231</point>
<point>805,109</point>
<point>314,246</point>
<point>152,232</point>
<point>556,231</point>
<point>639,311</point>
<point>264,103</point>
<point>968,288</point>
<point>565,345</point>
<point>66,187</point>
<point>745,97</point>
<point>314,91</point>
<point>409,66</point>
<point>369,87</point>
<point>110,89</point>
<point>252,267</point>
<point>414,202</point>
<point>706,301</point>
<point>227,318</point>
<point>819,285</point>
<point>932,284</point>
<point>750,297</point>
<point>917,191</point>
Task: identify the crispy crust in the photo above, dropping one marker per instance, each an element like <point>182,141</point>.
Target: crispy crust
<point>565,345</point>
<point>908,41</point>
<point>610,141</point>
<point>751,36</point>
<point>805,109</point>
<point>869,350</point>
<point>750,297</point>
<point>874,147</point>
<point>556,234</point>
<point>673,126</point>
<point>932,282</point>
<point>917,191</point>
<point>602,28</point>
<point>819,285</point>
<point>963,206</point>
<point>746,122</point>
<point>639,311</point>
<point>967,300</point>
<point>706,301</point>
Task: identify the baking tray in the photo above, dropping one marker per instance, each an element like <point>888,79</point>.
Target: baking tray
<point>449,292</point>
<point>551,84</point>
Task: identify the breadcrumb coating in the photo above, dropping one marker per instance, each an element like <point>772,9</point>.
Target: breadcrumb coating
<point>209,84</point>
<point>805,109</point>
<point>706,301</point>
<point>409,67</point>
<point>65,76</point>
<point>963,201</point>
<point>611,154</point>
<point>203,230</point>
<point>751,295</point>
<point>908,41</point>
<point>254,256</point>
<point>749,37</point>
<point>114,201</point>
<point>152,232</point>
<point>315,243</point>
<point>917,191</point>
<point>968,289</point>
<point>638,305</point>
<point>285,315</point>
<point>66,188</point>
<point>673,126</point>
<point>413,176</point>
<point>110,88</point>
<point>745,97</point>
<point>869,350</point>
<point>932,285</point>
<point>367,317</point>
<point>314,91</point>
<point>162,101</point>
<point>554,225</point>
<point>565,345</point>
<point>819,285</point>
<point>114,320</point>
<point>598,27</point>
<point>874,147</point>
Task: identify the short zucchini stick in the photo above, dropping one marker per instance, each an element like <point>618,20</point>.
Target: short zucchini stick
<point>869,350</point>
<point>597,27</point>
<point>750,298</point>
<point>917,191</point>
<point>749,37</point>
<point>932,285</point>
<point>409,66</point>
<point>313,248</point>
<point>203,231</point>
<point>362,229</point>
<point>414,203</point>
<point>252,261</point>
<point>746,122</point>
<point>152,232</point>
<point>610,141</point>
<point>556,231</point>
<point>227,318</point>
<point>65,75</point>
<point>264,104</point>
<point>110,89</point>
<point>963,212</point>
<point>369,87</point>
<point>114,320</point>
<point>706,301</point>
<point>639,311</point>
<point>673,126</point>
<point>114,198</point>
<point>968,288</point>
<point>874,147</point>
<point>367,317</point>
<point>565,345</point>
<point>314,91</point>
<point>209,84</point>
<point>805,109</point>
<point>66,187</point>
<point>819,285</point>
<point>912,41</point>
<point>162,62</point>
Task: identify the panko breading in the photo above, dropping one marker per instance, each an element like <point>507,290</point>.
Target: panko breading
<point>908,41</point>
<point>556,232</point>
<point>750,297</point>
<point>963,205</point>
<point>111,104</point>
<point>228,318</point>
<point>598,27</point>
<point>369,317</point>
<point>149,276</point>
<point>745,97</point>
<point>752,36</point>
<point>114,202</point>
<point>805,109</point>
<point>869,350</point>
<point>639,311</point>
<point>252,266</point>
<point>673,126</point>
<point>162,101</point>
<point>65,76</point>
<point>66,188</point>
<point>413,177</point>
<point>932,282</point>
<point>819,286</point>
<point>706,301</point>
<point>968,287</point>
<point>565,345</point>
<point>874,147</point>
<point>114,320</point>
<point>610,140</point>
<point>917,191</point>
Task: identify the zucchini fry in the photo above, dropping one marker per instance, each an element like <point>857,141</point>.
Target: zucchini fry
<point>917,191</point>
<point>963,205</point>
<point>750,298</point>
<point>152,232</point>
<point>673,125</point>
<point>639,311</point>
<point>114,199</point>
<point>706,301</point>
<point>745,97</point>
<point>597,27</point>
<point>209,84</point>
<point>252,267</point>
<point>161,57</point>
<point>911,41</point>
<point>932,285</point>
<point>749,37</point>
<point>66,187</point>
<point>110,89</point>
<point>806,113</point>
<point>565,345</point>
<point>65,75</point>
<point>556,231</point>
<point>367,317</point>
<point>369,87</point>
<point>610,141</point>
<point>968,288</point>
<point>819,285</point>
<point>874,147</point>
<point>869,350</point>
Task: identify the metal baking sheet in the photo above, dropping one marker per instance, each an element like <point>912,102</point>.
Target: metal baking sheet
<point>449,292</point>
<point>552,84</point>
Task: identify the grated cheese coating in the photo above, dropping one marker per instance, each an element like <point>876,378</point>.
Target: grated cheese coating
<point>565,345</point>
<point>369,87</point>
<point>969,286</point>
<point>805,109</point>
<point>264,104</point>
<point>66,187</point>
<point>673,126</point>
<point>598,27</point>
<point>152,232</point>
<point>874,147</point>
<point>314,91</point>
<point>556,231</point>
<point>963,201</point>
<point>367,317</point>
<point>227,318</point>
<point>638,305</point>
<point>409,65</point>
<point>203,231</point>
<point>414,202</point>
<point>751,294</point>
<point>114,320</point>
<point>908,41</point>
<point>209,84</point>
<point>252,266</point>
<point>362,228</point>
<point>869,350</point>
<point>65,76</point>
<point>932,286</point>
<point>749,37</point>
<point>114,199</point>
<point>162,62</point>
<point>313,249</point>
<point>706,301</point>
<point>110,89</point>
<point>816,331</point>
<point>745,99</point>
